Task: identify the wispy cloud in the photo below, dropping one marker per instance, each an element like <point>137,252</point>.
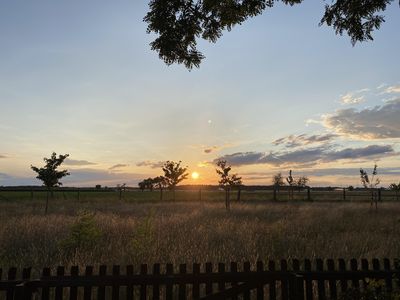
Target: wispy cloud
<point>151,164</point>
<point>380,122</point>
<point>117,166</point>
<point>74,162</point>
<point>310,156</point>
<point>353,97</point>
<point>394,89</point>
<point>293,141</point>
<point>3,156</point>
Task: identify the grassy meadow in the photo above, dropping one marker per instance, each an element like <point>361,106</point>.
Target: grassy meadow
<point>100,230</point>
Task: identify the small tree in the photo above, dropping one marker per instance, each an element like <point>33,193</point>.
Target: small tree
<point>396,188</point>
<point>174,174</point>
<point>227,181</point>
<point>301,182</point>
<point>371,183</point>
<point>49,174</point>
<point>291,182</point>
<point>160,182</point>
<point>277,180</point>
<point>142,185</point>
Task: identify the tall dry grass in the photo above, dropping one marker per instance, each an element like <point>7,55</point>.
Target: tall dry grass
<point>121,233</point>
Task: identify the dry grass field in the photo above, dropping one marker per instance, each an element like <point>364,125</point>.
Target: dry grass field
<point>94,232</point>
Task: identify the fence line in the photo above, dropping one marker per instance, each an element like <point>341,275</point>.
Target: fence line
<point>319,279</point>
<point>281,194</point>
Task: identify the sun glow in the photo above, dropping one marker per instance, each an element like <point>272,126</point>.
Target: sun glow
<point>195,175</point>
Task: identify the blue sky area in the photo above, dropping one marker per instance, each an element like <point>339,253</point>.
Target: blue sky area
<point>276,93</point>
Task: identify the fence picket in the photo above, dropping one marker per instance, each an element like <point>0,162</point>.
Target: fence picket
<point>101,291</point>
<point>272,284</point>
<point>182,285</point>
<point>284,282</point>
<point>143,286</point>
<point>73,291</point>
<point>209,283</point>
<point>156,287</point>
<point>59,289</point>
<point>388,279</point>
<point>300,288</point>
<point>115,288</point>
<point>308,282</point>
<point>260,288</point>
<point>87,290</point>
<point>332,282</point>
<point>169,286</point>
<point>320,282</point>
<point>343,282</point>
<point>45,291</point>
<point>129,287</point>
<point>246,269</point>
<point>234,270</point>
<point>354,267</point>
<point>196,285</point>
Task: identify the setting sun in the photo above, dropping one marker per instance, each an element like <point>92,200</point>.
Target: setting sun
<point>195,175</point>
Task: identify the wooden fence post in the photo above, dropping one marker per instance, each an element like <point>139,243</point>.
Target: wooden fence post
<point>380,194</point>
<point>274,193</point>
<point>344,194</point>
<point>308,194</point>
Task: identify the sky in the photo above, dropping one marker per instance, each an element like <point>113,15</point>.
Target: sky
<point>277,93</point>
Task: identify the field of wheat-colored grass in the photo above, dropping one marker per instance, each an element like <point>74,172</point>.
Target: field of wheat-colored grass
<point>117,232</point>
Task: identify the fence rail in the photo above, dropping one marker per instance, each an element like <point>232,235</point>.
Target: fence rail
<point>246,194</point>
<point>294,279</point>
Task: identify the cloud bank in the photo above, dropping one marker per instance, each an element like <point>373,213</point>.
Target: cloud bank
<point>308,157</point>
<point>379,122</point>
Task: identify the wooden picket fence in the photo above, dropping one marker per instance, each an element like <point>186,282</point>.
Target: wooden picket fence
<point>319,279</point>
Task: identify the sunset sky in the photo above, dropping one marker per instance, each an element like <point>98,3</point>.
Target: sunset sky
<point>274,94</point>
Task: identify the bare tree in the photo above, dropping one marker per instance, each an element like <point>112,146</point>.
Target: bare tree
<point>277,180</point>
<point>227,181</point>
<point>174,174</point>
<point>371,183</point>
<point>291,183</point>
<point>301,182</point>
<point>49,174</point>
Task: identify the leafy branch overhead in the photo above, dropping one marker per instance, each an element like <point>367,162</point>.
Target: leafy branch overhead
<point>178,24</point>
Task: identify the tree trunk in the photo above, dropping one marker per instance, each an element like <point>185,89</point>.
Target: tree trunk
<point>161,194</point>
<point>173,193</point>
<point>47,202</point>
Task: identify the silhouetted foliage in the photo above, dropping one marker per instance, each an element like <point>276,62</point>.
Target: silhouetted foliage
<point>277,180</point>
<point>396,188</point>
<point>302,181</point>
<point>371,183</point>
<point>179,23</point>
<point>174,174</point>
<point>227,181</point>
<point>160,182</point>
<point>49,174</point>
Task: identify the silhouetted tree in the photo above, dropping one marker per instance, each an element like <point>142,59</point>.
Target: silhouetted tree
<point>174,174</point>
<point>277,180</point>
<point>291,183</point>
<point>160,182</point>
<point>227,181</point>
<point>371,183</point>
<point>142,185</point>
<point>396,188</point>
<point>179,23</point>
<point>301,182</point>
<point>49,174</point>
